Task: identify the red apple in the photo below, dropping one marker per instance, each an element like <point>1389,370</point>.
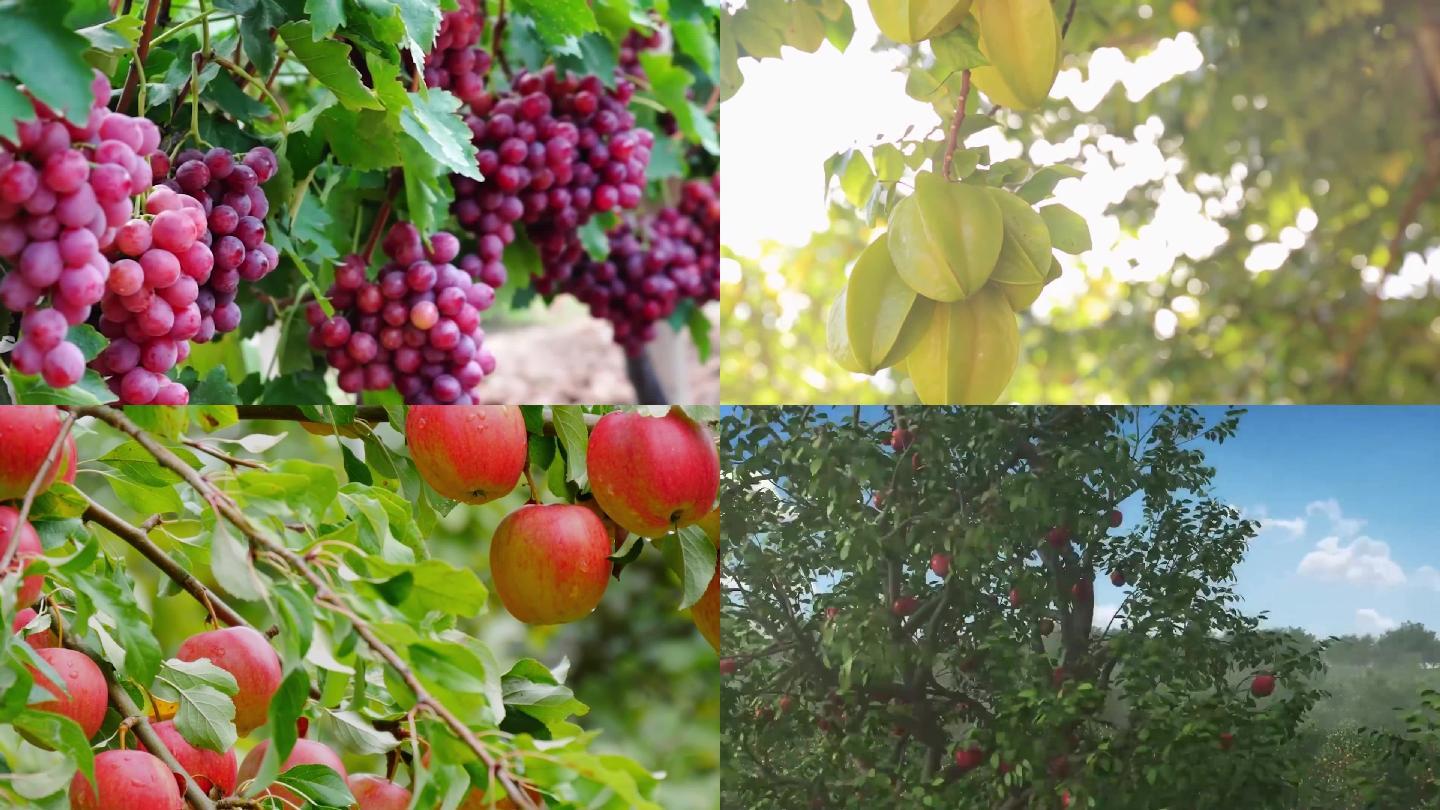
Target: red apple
<point>940,564</point>
<point>905,605</point>
<point>728,666</point>
<point>831,613</point>
<point>127,780</point>
<point>1065,799</point>
<point>305,752</point>
<point>1116,518</point>
<point>764,713</point>
<point>1226,740</point>
<point>1004,767</point>
<point>246,654</point>
<point>1262,686</point>
<point>26,433</point>
<point>469,453</point>
<point>706,612</point>
<point>785,702</point>
<point>1058,676</point>
<point>1058,536</point>
<point>377,793</point>
<point>1082,591</point>
<point>550,563</point>
<point>653,474</point>
<point>82,695</point>
<point>209,769</point>
<point>878,498</point>
<point>969,758</point>
<point>901,439</point>
<point>69,460</point>
<point>1059,766</point>
<point>27,548</point>
<point>1015,599</point>
<point>1117,578</point>
<point>40,640</point>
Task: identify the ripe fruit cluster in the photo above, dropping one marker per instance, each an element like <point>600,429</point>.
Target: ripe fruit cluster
<point>554,150</point>
<point>550,563</point>
<point>65,191</point>
<point>639,284</point>
<point>416,326</point>
<point>150,310</point>
<point>455,63</point>
<point>228,187</point>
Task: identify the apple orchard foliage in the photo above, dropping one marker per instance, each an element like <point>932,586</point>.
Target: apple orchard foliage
<point>311,685</point>
<point>862,677</point>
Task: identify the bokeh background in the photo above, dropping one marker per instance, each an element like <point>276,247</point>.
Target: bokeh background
<point>1260,180</point>
<point>648,676</point>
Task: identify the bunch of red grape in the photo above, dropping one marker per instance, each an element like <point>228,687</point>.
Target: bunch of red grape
<point>228,189</point>
<point>416,327</point>
<point>65,189</point>
<point>638,285</point>
<point>455,64</point>
<point>150,310</point>
<point>554,151</point>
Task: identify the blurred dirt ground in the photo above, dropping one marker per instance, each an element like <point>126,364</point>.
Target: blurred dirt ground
<point>574,361</point>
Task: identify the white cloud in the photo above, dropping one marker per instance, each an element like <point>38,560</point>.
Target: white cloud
<point>1364,562</point>
<point>1371,623</point>
<point>1428,577</point>
<point>1339,524</point>
<point>1103,614</point>
<point>1294,527</point>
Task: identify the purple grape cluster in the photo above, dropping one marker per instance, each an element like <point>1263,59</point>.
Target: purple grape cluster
<point>65,191</point>
<point>639,284</point>
<point>554,150</point>
<point>228,187</point>
<point>416,327</point>
<point>455,64</point>
<point>150,310</point>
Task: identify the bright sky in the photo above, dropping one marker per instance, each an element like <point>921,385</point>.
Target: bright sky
<point>793,114</point>
<point>1346,497</point>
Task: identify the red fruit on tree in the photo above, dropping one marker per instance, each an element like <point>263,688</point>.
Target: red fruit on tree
<point>209,769</point>
<point>126,780</point>
<point>468,453</point>
<point>40,640</point>
<point>905,605</point>
<point>878,498</point>
<point>1262,686</point>
<point>26,433</point>
<point>1226,740</point>
<point>785,702</point>
<point>1082,591</point>
<point>1117,578</point>
<point>1058,536</point>
<point>901,439</point>
<point>550,563</point>
<point>728,666</point>
<point>1058,676</point>
<point>831,613</point>
<point>247,655</point>
<point>377,793</point>
<point>1015,599</point>
<point>305,752</point>
<point>969,758</point>
<point>1116,518</point>
<point>940,564</point>
<point>653,474</point>
<point>27,547</point>
<point>69,460</point>
<point>81,695</point>
<point>1059,766</point>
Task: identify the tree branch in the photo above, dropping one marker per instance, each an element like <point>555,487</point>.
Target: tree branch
<point>142,50</point>
<point>225,507</point>
<point>953,139</point>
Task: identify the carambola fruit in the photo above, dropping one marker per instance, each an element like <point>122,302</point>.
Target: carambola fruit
<point>945,238</point>
<point>1025,255</point>
<point>915,20</point>
<point>884,317</point>
<point>968,354</point>
<point>1022,40</point>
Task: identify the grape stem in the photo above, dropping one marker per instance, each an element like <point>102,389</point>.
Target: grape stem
<point>135,79</point>
<point>954,138</point>
<point>497,38</point>
<point>382,216</point>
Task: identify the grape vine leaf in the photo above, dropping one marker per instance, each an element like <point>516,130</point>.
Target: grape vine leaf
<point>40,51</point>
<point>432,121</point>
<point>257,17</point>
<point>669,84</point>
<point>325,15</point>
<point>557,21</point>
<point>328,60</point>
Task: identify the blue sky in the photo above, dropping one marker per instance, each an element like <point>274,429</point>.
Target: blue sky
<point>1349,503</point>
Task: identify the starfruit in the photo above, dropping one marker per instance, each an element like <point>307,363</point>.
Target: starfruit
<point>968,354</point>
<point>946,237</point>
<point>914,20</point>
<point>837,340</point>
<point>1022,40</point>
<point>1025,255</point>
<point>884,317</point>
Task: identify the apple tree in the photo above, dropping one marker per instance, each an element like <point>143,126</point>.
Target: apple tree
<point>911,616</point>
<point>343,664</point>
